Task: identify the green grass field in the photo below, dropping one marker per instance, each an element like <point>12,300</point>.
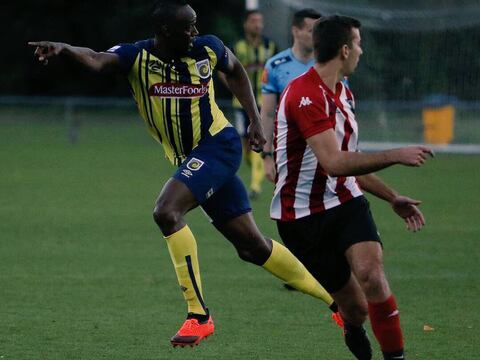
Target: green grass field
<point>85,274</point>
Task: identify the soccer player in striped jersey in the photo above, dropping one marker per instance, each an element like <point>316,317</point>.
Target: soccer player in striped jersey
<point>252,51</point>
<point>321,213</point>
<point>171,81</point>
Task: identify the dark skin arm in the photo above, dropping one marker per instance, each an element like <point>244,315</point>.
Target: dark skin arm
<point>239,84</point>
<point>100,62</point>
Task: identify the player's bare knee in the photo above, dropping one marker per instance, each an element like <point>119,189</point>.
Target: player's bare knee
<point>372,280</point>
<point>257,254</point>
<point>166,217</point>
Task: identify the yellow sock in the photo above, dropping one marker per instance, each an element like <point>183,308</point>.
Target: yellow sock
<point>257,171</point>
<point>183,251</point>
<point>284,265</point>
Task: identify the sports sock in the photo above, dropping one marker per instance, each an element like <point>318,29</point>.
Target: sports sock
<point>385,321</point>
<point>284,265</point>
<point>396,355</point>
<point>257,172</point>
<point>357,341</point>
<point>183,251</point>
<point>201,318</point>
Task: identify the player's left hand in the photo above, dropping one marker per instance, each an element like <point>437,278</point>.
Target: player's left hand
<point>255,135</point>
<point>407,209</point>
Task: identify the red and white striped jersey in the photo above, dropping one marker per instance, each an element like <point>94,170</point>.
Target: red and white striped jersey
<point>308,107</point>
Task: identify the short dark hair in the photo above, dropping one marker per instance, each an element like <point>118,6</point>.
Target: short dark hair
<point>330,34</point>
<point>164,11</point>
<point>250,12</point>
<point>301,15</point>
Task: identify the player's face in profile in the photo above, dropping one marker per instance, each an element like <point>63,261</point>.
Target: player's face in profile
<point>254,24</point>
<point>183,30</point>
<point>304,35</point>
<point>354,53</point>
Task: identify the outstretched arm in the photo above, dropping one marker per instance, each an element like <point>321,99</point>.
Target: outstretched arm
<point>95,61</point>
<point>239,84</point>
<point>345,163</point>
<point>405,207</point>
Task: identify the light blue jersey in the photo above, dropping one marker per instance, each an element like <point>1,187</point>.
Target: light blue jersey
<point>280,70</point>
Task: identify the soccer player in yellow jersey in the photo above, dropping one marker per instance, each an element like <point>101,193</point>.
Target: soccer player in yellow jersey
<point>252,51</point>
<point>171,80</point>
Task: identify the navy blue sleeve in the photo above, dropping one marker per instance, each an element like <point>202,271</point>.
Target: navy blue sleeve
<point>219,49</point>
<point>127,54</point>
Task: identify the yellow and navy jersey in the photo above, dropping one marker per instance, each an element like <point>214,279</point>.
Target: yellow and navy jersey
<point>253,58</point>
<point>176,99</point>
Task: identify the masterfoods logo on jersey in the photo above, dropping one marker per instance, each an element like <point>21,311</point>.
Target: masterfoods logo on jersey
<point>174,90</point>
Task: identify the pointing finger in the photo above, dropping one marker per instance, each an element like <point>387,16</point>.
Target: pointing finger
<point>429,151</point>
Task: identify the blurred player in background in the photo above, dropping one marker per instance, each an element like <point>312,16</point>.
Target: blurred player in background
<point>252,51</point>
<point>321,213</point>
<point>279,71</point>
<point>170,76</point>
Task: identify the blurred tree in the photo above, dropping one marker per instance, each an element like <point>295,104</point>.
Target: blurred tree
<point>95,24</point>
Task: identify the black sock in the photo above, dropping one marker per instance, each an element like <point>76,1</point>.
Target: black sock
<point>201,318</point>
<point>351,327</point>
<point>357,341</point>
<point>334,307</point>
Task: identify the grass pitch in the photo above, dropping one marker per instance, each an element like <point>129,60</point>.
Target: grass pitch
<point>85,274</point>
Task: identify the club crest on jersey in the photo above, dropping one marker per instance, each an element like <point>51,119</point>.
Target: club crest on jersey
<point>194,164</point>
<point>203,68</point>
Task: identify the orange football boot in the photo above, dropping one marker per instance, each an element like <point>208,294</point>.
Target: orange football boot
<point>338,319</point>
<point>192,332</point>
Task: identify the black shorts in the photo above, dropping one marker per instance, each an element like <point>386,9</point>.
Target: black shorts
<point>320,240</point>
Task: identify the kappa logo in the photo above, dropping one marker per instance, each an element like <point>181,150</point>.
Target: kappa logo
<point>194,164</point>
<point>203,68</point>
<point>305,101</point>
